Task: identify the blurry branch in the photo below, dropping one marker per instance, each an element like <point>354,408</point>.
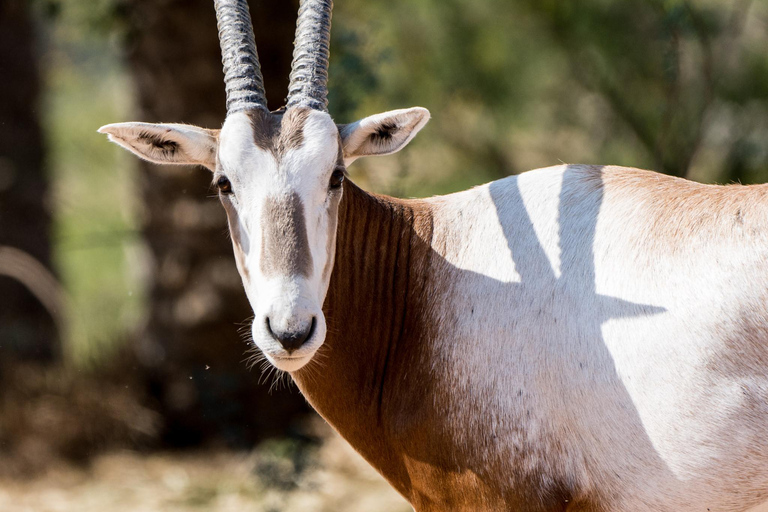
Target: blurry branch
<point>692,137</point>
<point>22,267</point>
<point>734,32</point>
<point>619,103</point>
<point>739,18</point>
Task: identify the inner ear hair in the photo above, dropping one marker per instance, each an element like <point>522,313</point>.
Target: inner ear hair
<point>386,138</point>
<point>386,130</point>
<point>162,144</point>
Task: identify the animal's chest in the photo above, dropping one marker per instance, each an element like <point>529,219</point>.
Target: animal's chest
<point>439,489</point>
<point>464,455</point>
<point>433,485</point>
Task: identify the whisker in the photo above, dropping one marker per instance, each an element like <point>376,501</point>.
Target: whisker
<point>254,359</point>
<point>275,386</point>
<point>268,370</point>
<point>247,322</point>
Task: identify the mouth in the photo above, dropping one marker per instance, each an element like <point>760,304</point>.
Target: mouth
<point>289,363</point>
<point>288,358</point>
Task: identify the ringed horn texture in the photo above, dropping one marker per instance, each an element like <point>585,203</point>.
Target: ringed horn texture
<point>242,73</point>
<point>309,71</point>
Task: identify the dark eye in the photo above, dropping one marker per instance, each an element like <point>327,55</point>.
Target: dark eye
<point>224,186</point>
<point>337,177</point>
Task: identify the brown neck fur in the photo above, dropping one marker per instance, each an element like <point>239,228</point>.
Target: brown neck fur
<point>375,311</point>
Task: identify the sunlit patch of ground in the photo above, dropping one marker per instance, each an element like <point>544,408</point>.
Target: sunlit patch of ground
<point>334,479</point>
<point>329,478</point>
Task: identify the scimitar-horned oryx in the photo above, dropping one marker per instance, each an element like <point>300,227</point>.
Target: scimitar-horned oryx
<point>574,338</point>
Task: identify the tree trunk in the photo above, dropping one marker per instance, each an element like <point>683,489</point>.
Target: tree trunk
<point>27,330</point>
<point>191,344</point>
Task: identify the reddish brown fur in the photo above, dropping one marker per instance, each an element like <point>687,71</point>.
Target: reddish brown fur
<point>675,210</point>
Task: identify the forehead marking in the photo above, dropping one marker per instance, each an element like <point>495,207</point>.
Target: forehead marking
<point>285,247</point>
<point>279,132</point>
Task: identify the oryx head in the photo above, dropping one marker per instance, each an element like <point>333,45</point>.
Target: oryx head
<point>279,175</point>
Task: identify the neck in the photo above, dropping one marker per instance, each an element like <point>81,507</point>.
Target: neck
<point>377,327</point>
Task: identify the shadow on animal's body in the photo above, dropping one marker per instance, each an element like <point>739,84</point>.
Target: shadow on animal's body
<point>503,392</point>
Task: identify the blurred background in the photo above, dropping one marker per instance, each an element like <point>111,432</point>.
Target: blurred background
<point>124,383</point>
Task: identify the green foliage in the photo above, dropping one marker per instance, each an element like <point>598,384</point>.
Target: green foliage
<point>97,250</point>
<point>679,86</point>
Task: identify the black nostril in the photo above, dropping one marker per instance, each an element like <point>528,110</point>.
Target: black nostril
<point>292,340</point>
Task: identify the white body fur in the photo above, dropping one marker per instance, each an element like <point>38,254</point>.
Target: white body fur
<point>631,353</point>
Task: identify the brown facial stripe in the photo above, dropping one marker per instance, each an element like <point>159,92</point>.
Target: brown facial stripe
<point>279,132</point>
<point>285,247</point>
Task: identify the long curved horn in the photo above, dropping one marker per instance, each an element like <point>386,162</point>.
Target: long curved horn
<point>309,71</point>
<point>242,73</point>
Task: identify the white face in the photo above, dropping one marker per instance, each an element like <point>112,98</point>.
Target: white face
<point>279,181</point>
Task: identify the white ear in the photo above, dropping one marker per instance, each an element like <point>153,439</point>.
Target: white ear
<point>382,134</point>
<point>166,143</point>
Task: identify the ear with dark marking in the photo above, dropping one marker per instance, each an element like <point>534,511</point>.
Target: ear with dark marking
<point>382,134</point>
<point>166,143</point>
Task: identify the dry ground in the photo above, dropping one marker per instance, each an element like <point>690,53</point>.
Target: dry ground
<point>274,478</point>
<point>335,479</point>
<point>51,418</point>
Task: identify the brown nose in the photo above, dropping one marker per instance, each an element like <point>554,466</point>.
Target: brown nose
<point>292,340</point>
